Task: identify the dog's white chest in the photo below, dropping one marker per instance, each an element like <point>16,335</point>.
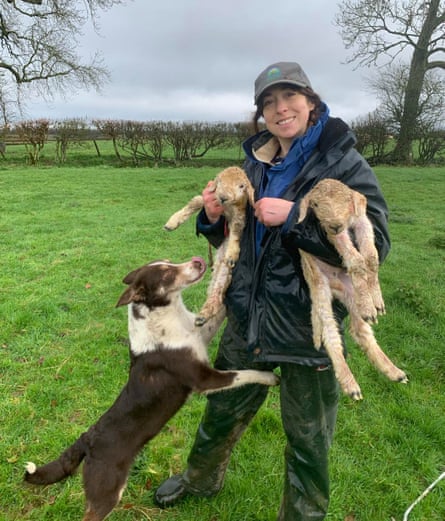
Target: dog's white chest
<point>167,327</point>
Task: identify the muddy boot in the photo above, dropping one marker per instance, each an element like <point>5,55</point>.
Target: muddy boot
<point>309,400</point>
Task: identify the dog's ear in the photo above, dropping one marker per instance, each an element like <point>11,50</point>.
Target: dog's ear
<point>131,294</point>
<point>131,277</point>
<point>126,297</point>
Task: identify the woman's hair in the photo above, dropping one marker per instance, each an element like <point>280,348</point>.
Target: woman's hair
<point>311,96</point>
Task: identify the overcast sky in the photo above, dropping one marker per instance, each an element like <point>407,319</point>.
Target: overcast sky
<point>184,60</point>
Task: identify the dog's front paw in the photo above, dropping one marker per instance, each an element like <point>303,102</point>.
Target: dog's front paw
<point>269,378</point>
<point>276,379</point>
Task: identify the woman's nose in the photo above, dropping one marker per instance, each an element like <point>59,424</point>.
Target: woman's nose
<point>281,105</point>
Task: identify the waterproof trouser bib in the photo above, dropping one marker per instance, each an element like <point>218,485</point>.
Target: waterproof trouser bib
<point>309,401</point>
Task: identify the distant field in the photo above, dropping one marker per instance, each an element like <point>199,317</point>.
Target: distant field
<point>88,154</point>
<point>68,235</point>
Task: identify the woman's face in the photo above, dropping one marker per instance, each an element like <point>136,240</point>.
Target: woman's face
<point>286,112</point>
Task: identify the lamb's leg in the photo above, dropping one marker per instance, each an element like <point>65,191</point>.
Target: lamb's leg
<point>363,334</point>
<point>325,328</point>
<point>221,278</point>
<point>356,267</point>
<point>193,206</point>
<point>364,234</point>
<point>209,328</point>
<point>236,227</point>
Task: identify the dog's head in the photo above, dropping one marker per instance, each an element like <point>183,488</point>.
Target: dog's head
<point>232,187</point>
<point>155,283</point>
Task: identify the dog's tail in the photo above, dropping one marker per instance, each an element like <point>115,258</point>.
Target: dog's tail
<point>58,469</point>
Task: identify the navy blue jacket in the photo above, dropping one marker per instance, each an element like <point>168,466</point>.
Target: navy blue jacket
<point>268,302</point>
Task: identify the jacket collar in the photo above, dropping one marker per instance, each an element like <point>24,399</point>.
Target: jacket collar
<point>263,147</point>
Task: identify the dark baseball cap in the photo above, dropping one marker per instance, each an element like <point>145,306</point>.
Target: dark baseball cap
<point>281,72</point>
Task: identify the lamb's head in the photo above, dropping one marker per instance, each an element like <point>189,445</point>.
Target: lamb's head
<point>233,188</point>
<point>335,205</point>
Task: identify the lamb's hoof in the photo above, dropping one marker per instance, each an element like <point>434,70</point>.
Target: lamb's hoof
<point>200,320</point>
<point>381,310</point>
<point>353,391</point>
<point>403,379</point>
<point>356,395</point>
<point>370,319</point>
<point>168,228</point>
<point>230,263</point>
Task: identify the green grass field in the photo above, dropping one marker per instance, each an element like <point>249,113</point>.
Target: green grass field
<point>69,235</point>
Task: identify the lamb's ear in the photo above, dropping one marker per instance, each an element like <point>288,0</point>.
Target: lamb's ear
<point>359,203</point>
<point>304,206</point>
<point>251,194</point>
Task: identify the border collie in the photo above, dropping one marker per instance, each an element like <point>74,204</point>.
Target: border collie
<point>168,360</point>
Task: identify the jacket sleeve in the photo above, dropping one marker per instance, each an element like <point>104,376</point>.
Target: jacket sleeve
<point>308,234</point>
<point>214,233</point>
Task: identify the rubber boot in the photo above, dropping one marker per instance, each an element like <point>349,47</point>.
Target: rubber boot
<point>309,402</point>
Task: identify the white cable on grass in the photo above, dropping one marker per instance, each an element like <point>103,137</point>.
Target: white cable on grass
<point>424,493</point>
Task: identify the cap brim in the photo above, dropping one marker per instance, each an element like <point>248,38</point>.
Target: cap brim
<point>279,82</point>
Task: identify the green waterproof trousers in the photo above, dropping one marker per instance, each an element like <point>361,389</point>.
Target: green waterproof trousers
<point>309,401</point>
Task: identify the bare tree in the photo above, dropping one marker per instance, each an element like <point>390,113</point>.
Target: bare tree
<point>379,29</point>
<point>34,134</point>
<point>38,42</point>
<point>111,129</point>
<point>69,132</point>
<point>389,86</point>
<point>372,135</point>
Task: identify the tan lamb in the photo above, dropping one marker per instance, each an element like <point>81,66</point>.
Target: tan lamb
<point>340,210</point>
<point>233,191</point>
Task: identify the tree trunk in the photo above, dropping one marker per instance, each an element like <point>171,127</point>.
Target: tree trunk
<point>418,68</point>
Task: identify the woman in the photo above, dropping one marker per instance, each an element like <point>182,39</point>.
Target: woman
<point>268,303</point>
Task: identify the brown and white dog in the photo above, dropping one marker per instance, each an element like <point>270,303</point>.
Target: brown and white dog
<point>169,360</point>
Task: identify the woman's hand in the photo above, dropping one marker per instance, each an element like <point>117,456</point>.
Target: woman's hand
<point>272,211</point>
<point>212,207</point>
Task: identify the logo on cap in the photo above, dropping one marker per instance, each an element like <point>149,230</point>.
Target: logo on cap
<point>274,73</point>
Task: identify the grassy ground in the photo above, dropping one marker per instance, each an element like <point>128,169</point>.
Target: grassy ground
<point>67,238</point>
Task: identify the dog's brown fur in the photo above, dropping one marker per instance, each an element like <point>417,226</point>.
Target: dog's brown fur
<point>168,361</point>
<point>233,190</point>
<point>341,210</point>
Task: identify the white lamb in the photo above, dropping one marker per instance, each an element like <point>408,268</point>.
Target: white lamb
<point>341,210</point>
<point>233,191</point>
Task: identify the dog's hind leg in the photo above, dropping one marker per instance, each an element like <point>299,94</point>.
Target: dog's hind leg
<point>104,483</point>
